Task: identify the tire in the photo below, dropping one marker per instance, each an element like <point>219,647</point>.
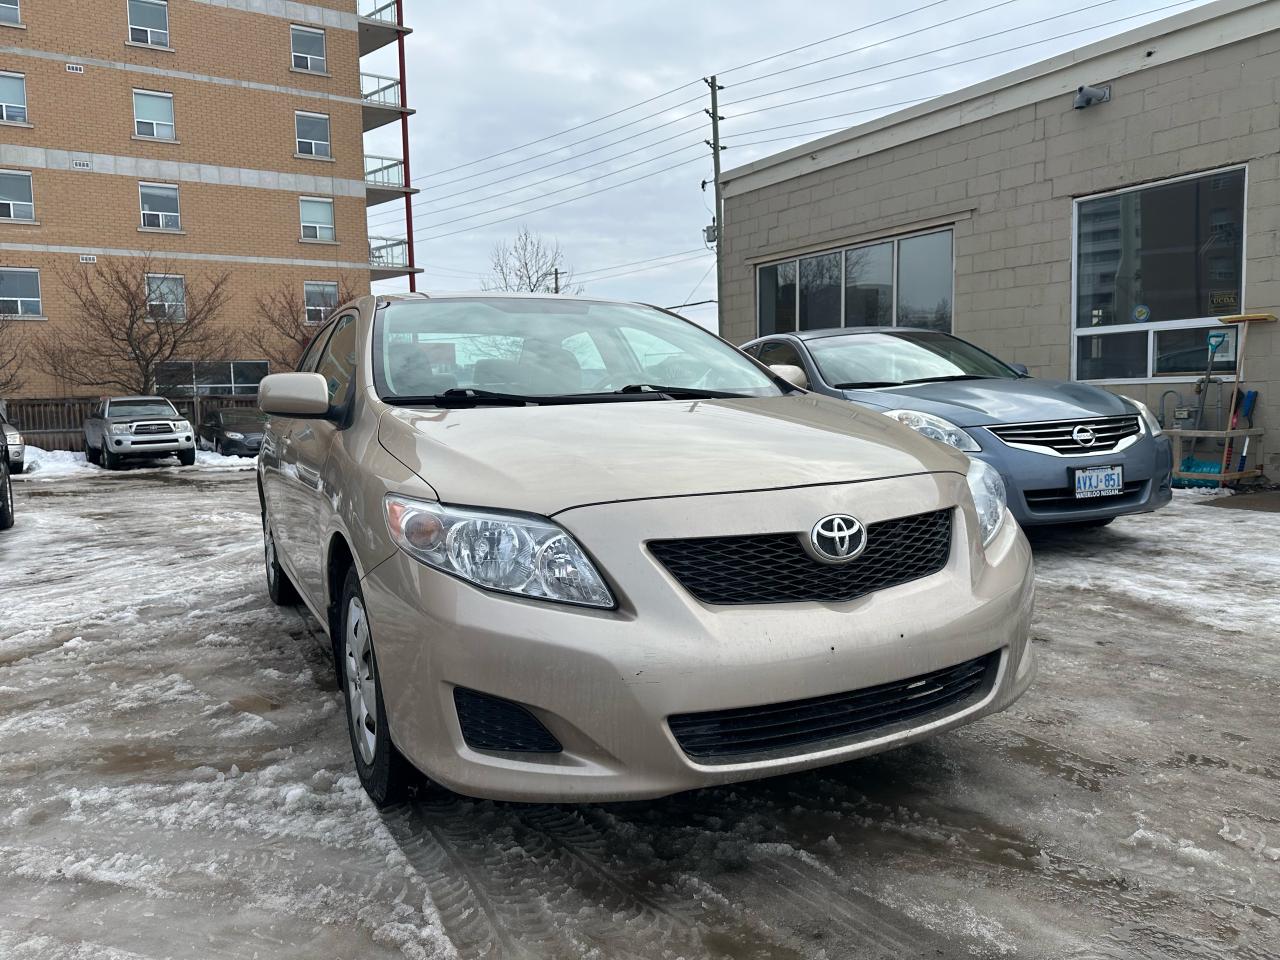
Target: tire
<point>187,457</point>
<point>110,461</point>
<point>18,467</point>
<point>279,587</point>
<point>93,455</point>
<point>6,501</point>
<point>217,448</point>
<point>384,773</point>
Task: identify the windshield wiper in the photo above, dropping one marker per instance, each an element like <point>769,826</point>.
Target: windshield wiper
<point>468,397</point>
<point>957,376</point>
<point>679,393</point>
<point>862,384</point>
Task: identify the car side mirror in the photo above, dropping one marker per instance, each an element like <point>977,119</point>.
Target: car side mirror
<point>1020,369</point>
<point>791,373</point>
<point>304,395</point>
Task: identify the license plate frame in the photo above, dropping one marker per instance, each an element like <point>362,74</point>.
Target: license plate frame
<point>1097,482</point>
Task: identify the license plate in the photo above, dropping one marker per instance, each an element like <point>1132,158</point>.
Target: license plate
<point>1098,482</point>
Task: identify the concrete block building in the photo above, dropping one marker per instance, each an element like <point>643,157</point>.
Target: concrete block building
<point>1098,244</point>
<point>208,135</point>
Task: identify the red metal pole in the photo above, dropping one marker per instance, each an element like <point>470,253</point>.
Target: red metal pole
<point>404,142</point>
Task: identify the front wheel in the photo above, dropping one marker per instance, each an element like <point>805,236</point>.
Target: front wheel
<point>384,773</point>
<point>187,457</point>
<point>110,461</point>
<point>92,454</point>
<point>18,467</point>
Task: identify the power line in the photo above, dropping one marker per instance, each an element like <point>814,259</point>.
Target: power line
<point>558,203</point>
<point>834,116</point>
<point>701,281</point>
<point>656,266</point>
<point>953,63</point>
<point>616,266</point>
<point>660,96</point>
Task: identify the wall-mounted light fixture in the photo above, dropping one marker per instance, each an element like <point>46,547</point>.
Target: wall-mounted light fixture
<point>1088,96</point>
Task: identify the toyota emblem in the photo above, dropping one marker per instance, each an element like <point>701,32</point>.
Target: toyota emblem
<point>837,538</point>
<point>1084,436</point>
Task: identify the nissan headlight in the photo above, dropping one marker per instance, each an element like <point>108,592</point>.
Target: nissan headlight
<point>233,435</point>
<point>989,498</point>
<point>522,555</point>
<point>1149,418</point>
<point>935,428</point>
<point>120,429</point>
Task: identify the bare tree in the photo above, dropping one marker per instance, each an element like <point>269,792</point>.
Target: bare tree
<point>10,357</point>
<point>285,327</point>
<point>128,316</point>
<point>529,264</point>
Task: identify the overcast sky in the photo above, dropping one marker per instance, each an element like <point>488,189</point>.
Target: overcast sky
<point>489,75</point>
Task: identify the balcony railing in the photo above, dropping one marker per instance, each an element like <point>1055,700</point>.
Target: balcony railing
<point>383,11</point>
<point>384,172</point>
<point>380,91</point>
<point>388,252</point>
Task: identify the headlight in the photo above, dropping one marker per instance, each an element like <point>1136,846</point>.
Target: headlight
<point>989,497</point>
<point>181,426</point>
<point>522,555</point>
<point>935,428</point>
<point>232,435</point>
<point>120,428</point>
<point>1149,418</point>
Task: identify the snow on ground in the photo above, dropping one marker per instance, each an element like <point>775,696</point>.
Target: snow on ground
<point>175,776</point>
<point>62,464</point>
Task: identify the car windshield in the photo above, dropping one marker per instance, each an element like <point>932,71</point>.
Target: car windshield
<point>141,408</point>
<point>543,348</point>
<point>906,356</point>
<point>245,419</point>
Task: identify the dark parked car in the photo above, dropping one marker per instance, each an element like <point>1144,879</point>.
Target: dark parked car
<point>1067,452</point>
<point>234,431</point>
<point>120,427</point>
<point>6,486</point>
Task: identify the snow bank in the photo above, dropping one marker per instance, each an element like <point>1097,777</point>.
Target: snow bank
<point>64,464</point>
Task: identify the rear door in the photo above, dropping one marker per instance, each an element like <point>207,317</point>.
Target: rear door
<point>309,449</point>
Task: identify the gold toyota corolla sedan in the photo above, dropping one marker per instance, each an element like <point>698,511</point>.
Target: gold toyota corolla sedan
<point>571,549</point>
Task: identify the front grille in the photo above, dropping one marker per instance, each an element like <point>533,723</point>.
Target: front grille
<point>149,429</point>
<point>774,567</point>
<point>1057,436</point>
<point>724,736</point>
<point>1064,498</point>
<point>491,723</point>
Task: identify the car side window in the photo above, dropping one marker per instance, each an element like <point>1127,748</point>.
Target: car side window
<point>777,352</point>
<point>338,360</point>
<point>311,356</point>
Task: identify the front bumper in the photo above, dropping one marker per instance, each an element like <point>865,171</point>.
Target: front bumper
<point>605,682</point>
<point>1040,484</point>
<point>241,448</point>
<point>153,445</point>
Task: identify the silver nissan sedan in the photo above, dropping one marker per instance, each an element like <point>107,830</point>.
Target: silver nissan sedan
<point>569,549</point>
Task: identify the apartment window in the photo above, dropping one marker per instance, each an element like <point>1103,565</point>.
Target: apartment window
<point>900,282</point>
<point>308,49</point>
<point>20,293</point>
<point>321,299</point>
<point>317,218</point>
<point>313,134</point>
<point>160,206</point>
<point>166,297</point>
<point>13,96</point>
<point>1149,285</point>
<point>16,202</point>
<point>149,22</point>
<point>153,115</point>
<point>9,12</point>
<point>185,378</point>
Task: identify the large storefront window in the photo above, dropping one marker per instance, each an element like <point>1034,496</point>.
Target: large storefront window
<point>184,378</point>
<point>1154,265</point>
<point>905,282</point>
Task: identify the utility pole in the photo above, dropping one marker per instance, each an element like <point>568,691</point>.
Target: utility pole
<point>557,289</point>
<point>718,221</point>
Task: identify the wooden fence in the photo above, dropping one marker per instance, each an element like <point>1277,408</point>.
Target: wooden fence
<point>58,424</point>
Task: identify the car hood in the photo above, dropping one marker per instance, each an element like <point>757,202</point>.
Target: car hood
<point>550,458</point>
<point>973,403</point>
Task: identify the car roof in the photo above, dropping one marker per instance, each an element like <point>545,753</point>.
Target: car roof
<point>492,295</point>
<point>825,332</point>
<point>114,399</point>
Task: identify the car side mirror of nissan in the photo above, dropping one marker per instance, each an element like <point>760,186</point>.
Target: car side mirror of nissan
<point>791,373</point>
<point>1020,369</point>
<point>301,395</point>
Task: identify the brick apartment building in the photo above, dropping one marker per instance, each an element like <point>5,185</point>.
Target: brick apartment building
<point>208,135</point>
<point>1099,244</point>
